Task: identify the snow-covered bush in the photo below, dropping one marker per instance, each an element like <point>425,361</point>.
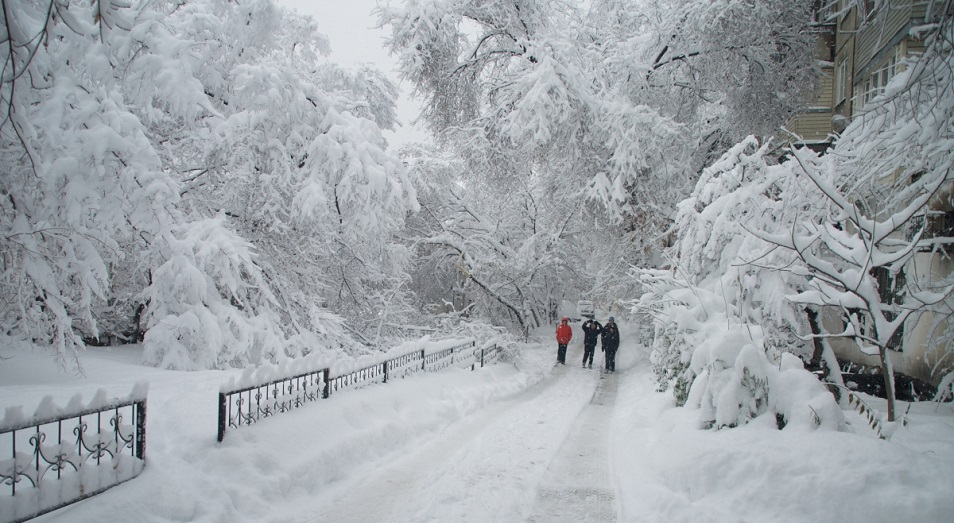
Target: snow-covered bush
<point>723,323</point>
<point>676,330</point>
<point>738,380</point>
<point>723,367</point>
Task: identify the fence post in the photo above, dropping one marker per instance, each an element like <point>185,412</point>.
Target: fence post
<point>325,376</point>
<point>481,357</point>
<point>423,360</point>
<point>141,429</point>
<point>385,365</point>
<point>222,416</point>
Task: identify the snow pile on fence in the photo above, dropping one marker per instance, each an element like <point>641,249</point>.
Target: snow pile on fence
<point>268,372</point>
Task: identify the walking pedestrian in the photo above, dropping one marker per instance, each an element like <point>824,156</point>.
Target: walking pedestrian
<point>591,333</point>
<point>609,342</point>
<point>563,336</point>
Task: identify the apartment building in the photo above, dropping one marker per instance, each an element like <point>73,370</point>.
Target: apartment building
<point>862,45</point>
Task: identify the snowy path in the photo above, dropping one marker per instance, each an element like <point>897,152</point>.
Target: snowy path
<point>577,485</point>
<point>549,443</point>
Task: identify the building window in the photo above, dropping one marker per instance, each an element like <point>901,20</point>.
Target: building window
<point>871,88</point>
<point>824,11</point>
<point>876,83</point>
<point>841,82</point>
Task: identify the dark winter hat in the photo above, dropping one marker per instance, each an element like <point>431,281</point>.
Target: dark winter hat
<point>611,319</point>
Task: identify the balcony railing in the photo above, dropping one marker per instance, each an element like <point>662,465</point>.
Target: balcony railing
<point>938,230</point>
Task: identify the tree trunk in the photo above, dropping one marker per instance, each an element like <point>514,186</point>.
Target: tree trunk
<point>816,340</point>
<point>888,371</point>
<point>834,371</point>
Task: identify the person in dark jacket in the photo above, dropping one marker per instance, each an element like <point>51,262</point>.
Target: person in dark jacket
<point>591,333</point>
<point>609,342</point>
<point>564,334</point>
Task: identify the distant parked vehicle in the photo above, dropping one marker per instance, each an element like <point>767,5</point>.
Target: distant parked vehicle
<point>585,309</point>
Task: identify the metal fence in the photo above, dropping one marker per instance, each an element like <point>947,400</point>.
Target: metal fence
<point>250,404</point>
<point>48,463</point>
<point>247,405</point>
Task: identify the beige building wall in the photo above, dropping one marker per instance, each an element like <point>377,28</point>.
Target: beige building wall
<point>922,347</point>
<point>813,125</point>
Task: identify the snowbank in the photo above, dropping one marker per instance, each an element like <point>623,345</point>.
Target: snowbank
<point>670,471</point>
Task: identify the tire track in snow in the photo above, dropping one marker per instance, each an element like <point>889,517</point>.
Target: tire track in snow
<point>577,486</point>
<point>486,467</point>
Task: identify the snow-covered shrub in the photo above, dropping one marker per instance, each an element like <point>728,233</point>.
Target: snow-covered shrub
<point>723,323</point>
<point>328,334</point>
<point>945,391</point>
<point>678,313</point>
<point>739,380</point>
<point>723,367</point>
<point>453,326</point>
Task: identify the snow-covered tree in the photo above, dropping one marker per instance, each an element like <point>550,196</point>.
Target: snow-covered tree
<point>201,160</point>
<point>892,166</point>
<point>627,98</point>
<point>619,103</point>
<point>81,180</point>
<point>509,245</point>
<point>838,231</point>
<point>723,326</point>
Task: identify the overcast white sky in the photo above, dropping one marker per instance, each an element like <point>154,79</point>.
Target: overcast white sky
<point>349,25</point>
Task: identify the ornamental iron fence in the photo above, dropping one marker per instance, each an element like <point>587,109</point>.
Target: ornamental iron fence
<point>490,355</point>
<point>49,462</point>
<point>439,360</point>
<point>250,404</point>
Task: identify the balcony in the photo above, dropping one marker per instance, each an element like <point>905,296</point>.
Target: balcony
<point>937,225</point>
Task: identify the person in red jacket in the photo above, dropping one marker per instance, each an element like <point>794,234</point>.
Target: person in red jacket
<point>563,335</point>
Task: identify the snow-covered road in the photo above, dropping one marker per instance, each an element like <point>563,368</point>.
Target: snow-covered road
<point>549,443</point>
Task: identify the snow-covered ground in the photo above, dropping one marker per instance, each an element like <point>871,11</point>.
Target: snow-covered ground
<point>511,442</point>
